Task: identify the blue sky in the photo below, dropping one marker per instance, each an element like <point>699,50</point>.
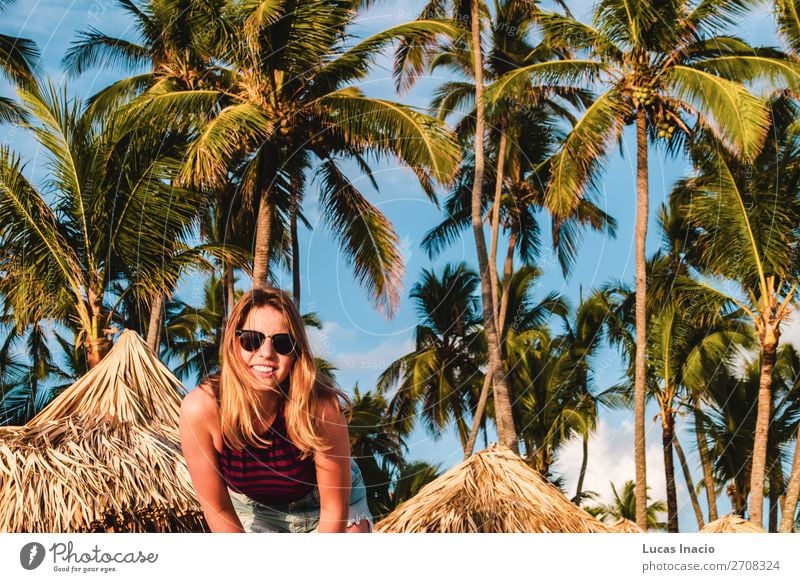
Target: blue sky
<point>355,337</point>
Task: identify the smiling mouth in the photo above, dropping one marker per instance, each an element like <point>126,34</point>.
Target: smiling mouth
<point>264,369</point>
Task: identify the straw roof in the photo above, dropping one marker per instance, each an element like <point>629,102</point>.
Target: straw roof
<point>104,455</point>
<point>623,525</point>
<point>731,524</point>
<point>492,491</point>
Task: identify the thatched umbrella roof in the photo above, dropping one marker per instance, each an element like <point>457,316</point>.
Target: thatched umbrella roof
<point>731,524</point>
<point>104,455</point>
<point>623,525</point>
<point>492,491</point>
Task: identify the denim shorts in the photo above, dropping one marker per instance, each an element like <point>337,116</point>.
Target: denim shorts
<point>302,516</point>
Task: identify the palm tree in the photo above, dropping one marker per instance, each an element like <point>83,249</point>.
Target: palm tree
<point>175,41</point>
<point>522,135</point>
<point>585,330</point>
<point>286,111</point>
<point>624,507</point>
<point>730,417</point>
<point>467,54</point>
<point>788,20</point>
<point>745,220</point>
<point>113,213</point>
<point>193,334</point>
<point>443,372</point>
<point>660,67</point>
<point>549,411</point>
<point>376,446</point>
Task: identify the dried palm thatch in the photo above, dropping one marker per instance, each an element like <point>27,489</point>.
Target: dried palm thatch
<point>623,525</point>
<point>103,456</point>
<point>731,524</point>
<point>492,491</point>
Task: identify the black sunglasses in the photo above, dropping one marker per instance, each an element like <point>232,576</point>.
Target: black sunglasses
<point>252,341</point>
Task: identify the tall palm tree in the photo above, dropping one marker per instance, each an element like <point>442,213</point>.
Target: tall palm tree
<point>661,66</point>
<point>730,411</point>
<point>175,41</point>
<point>443,372</point>
<point>522,134</point>
<point>745,218</point>
<point>112,214</point>
<point>414,55</point>
<point>297,108</point>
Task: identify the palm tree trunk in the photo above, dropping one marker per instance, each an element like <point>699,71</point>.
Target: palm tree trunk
<point>293,208</point>
<point>156,319</point>
<point>774,498</point>
<point>769,344</point>
<point>97,346</point>
<point>262,242</point>
<point>582,475</point>
<point>476,421</point>
<point>705,462</point>
<point>502,398</point>
<point>792,491</point>
<point>508,270</point>
<point>228,295</point>
<point>687,475</point>
<point>498,193</point>
<point>641,319</point>
<point>667,434</point>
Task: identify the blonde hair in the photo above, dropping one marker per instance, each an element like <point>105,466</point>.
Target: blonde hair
<point>239,405</point>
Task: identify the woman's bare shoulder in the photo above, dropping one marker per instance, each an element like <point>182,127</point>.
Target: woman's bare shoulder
<point>200,403</point>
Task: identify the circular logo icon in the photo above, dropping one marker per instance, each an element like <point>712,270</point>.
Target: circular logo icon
<point>31,555</point>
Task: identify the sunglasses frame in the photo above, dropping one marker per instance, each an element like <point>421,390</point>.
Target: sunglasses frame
<point>264,337</point>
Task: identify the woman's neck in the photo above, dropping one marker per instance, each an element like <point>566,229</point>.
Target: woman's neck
<point>268,403</point>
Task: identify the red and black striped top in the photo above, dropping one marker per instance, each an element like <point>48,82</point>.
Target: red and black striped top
<point>273,475</point>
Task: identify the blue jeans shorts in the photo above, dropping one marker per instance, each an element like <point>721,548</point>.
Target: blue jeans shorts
<point>302,516</point>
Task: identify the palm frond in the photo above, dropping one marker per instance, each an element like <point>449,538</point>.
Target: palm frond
<point>417,139</point>
<point>370,243</point>
<point>734,114</point>
<point>93,48</point>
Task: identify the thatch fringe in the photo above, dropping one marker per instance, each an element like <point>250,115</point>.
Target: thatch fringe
<point>492,491</point>
<point>623,525</point>
<point>104,456</point>
<point>731,524</point>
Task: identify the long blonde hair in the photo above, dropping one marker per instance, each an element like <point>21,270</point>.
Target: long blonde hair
<point>238,402</point>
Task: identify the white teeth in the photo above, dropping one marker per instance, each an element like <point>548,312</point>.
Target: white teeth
<point>263,368</point>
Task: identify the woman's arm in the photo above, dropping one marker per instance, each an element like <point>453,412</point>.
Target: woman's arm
<point>198,413</point>
<point>333,469</point>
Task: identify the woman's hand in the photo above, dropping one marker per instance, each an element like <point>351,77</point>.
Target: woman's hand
<point>333,468</point>
<point>199,415</point>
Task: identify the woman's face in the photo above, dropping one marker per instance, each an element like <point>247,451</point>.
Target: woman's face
<point>266,365</point>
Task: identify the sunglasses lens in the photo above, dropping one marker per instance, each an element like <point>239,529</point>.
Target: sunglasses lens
<point>283,344</point>
<point>251,340</point>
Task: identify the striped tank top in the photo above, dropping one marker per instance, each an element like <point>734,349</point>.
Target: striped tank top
<point>273,475</point>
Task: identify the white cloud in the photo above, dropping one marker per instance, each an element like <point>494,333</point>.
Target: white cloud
<point>611,460</point>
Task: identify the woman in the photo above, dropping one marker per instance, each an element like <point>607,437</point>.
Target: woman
<point>268,427</point>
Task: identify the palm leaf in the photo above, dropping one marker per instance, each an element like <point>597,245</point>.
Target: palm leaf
<point>95,49</point>
<point>733,113</point>
<point>370,243</point>
<point>417,139</point>
<point>574,167</point>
